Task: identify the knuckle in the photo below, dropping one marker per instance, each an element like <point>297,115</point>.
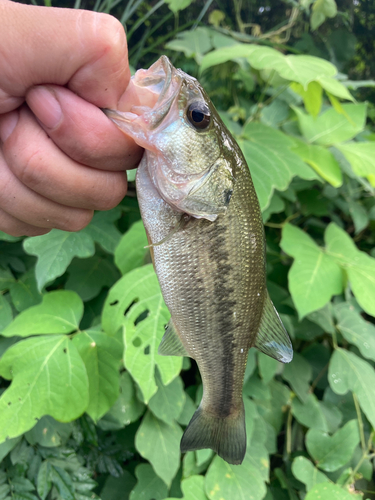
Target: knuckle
<point>29,166</point>
<point>79,220</point>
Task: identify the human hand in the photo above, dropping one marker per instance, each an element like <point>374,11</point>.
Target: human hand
<point>60,156</point>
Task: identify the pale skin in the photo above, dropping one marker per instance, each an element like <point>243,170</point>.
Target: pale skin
<point>61,158</point>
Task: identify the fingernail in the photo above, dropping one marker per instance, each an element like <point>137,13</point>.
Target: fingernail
<point>7,124</point>
<point>45,106</point>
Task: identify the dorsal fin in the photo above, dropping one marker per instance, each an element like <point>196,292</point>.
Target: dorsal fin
<point>171,344</point>
<point>272,338</point>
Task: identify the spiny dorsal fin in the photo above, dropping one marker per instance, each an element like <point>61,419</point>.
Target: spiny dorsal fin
<point>272,338</point>
<point>171,344</point>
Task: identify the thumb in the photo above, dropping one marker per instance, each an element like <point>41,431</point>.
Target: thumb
<point>85,51</point>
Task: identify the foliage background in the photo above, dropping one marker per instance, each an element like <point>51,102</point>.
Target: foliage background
<point>87,407</point>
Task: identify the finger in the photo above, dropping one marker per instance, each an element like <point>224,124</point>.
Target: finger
<point>14,227</point>
<point>41,166</point>
<point>27,206</point>
<point>82,130</point>
<point>85,50</point>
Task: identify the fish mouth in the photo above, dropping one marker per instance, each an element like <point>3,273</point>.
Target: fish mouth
<point>158,86</point>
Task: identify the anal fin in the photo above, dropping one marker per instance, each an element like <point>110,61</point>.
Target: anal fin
<point>171,344</point>
<point>272,338</point>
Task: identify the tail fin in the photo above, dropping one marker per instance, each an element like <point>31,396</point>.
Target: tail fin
<point>226,436</point>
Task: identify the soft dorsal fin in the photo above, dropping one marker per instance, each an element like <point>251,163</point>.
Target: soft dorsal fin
<point>171,344</point>
<point>272,338</point>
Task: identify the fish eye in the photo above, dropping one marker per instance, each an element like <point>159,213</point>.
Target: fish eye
<point>198,114</point>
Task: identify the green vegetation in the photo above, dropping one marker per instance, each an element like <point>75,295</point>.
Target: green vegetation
<point>88,408</point>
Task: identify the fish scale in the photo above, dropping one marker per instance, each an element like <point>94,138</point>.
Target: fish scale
<point>204,225</point>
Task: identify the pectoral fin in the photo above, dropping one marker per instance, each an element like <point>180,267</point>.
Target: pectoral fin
<point>171,344</point>
<point>272,338</point>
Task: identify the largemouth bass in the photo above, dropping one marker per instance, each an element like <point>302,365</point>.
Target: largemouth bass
<point>204,225</point>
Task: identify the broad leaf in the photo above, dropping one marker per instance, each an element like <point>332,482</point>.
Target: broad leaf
<point>149,485</point>
<point>271,161</point>
<point>321,10</point>
<point>359,266</point>
<point>168,402</point>
<point>330,492</point>
<point>193,43</point>
<point>6,315</point>
<point>60,312</point>
<point>332,127</point>
<point>305,472</point>
<point>355,329</point>
<point>159,443</point>
<point>230,481</point>
<point>130,252</point>
<point>44,483</point>
<point>126,409</point>
<point>55,250</point>
<point>88,276</point>
<point>314,276</point>
<point>102,230</point>
<point>347,371</point>
<point>49,432</point>
<point>298,374</point>
<point>192,488</point>
<point>48,377</point>
<point>135,302</point>
<point>332,452</point>
<point>309,413</point>
<point>321,160</point>
<point>101,355</point>
<point>361,156</point>
<point>267,367</point>
<point>24,291</point>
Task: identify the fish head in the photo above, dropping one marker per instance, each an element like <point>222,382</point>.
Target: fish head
<point>188,147</point>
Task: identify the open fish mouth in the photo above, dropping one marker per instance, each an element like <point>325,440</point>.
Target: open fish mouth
<point>158,87</point>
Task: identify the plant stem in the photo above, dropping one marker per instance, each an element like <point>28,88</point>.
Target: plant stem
<point>360,423</point>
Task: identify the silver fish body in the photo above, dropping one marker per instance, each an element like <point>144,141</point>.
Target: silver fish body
<point>203,220</point>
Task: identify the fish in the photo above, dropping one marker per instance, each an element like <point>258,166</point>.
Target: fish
<point>204,226</point>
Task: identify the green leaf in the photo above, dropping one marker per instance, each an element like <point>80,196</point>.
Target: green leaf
<point>137,295</point>
<point>329,491</point>
<point>102,230</point>
<point>87,277</point>
<point>49,433</point>
<point>309,413</point>
<point>332,452</point>
<point>359,267</point>
<point>264,146</point>
<point>24,292</point>
<point>130,252</point>
<point>126,409</point>
<point>275,113</point>
<point>168,402</point>
<point>149,485</point>
<point>159,443</point>
<point>176,5</point>
<point>321,10</point>
<point>267,367</point>
<point>312,96</point>
<point>298,374</point>
<point>305,472</point>
<point>276,206</point>
<point>60,312</point>
<point>101,355</point>
<point>48,377</point>
<point>314,276</point>
<point>63,482</point>
<point>347,371</point>
<point>224,54</point>
<point>361,156</point>
<point>44,483</point>
<point>229,481</point>
<point>359,215</point>
<point>118,488</point>
<point>6,315</point>
<point>193,43</point>
<point>55,250</point>
<point>192,488</point>
<point>332,127</point>
<point>321,160</point>
<point>8,446</point>
<point>355,329</point>
<point>6,279</point>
